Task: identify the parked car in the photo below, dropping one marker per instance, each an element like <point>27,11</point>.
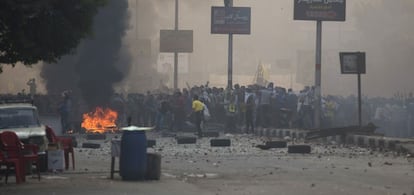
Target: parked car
<point>22,117</point>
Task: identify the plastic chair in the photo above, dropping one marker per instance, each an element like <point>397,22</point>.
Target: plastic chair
<point>17,164</point>
<point>65,142</point>
<point>17,154</point>
<point>1,161</point>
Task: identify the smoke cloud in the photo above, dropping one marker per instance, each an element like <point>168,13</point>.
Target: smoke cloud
<point>99,62</point>
<point>381,28</point>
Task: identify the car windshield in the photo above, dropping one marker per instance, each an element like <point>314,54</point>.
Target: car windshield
<point>18,118</point>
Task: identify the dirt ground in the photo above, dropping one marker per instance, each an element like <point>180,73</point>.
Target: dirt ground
<point>241,168</point>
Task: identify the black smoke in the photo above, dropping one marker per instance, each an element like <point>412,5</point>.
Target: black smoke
<point>99,62</point>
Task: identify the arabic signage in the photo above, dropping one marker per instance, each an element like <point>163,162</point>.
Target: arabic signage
<point>176,41</point>
<point>352,62</point>
<point>230,20</point>
<point>323,10</point>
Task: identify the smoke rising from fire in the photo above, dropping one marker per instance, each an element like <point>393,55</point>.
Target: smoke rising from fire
<point>98,63</point>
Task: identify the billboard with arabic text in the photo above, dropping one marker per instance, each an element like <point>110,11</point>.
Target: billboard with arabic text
<point>230,20</point>
<point>323,10</point>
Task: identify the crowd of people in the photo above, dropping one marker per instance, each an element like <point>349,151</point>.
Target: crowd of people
<point>240,109</point>
<point>244,108</point>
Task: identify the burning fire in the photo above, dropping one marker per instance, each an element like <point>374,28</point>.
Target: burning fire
<point>100,121</point>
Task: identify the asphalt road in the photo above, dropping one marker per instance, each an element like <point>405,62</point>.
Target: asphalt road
<point>239,169</point>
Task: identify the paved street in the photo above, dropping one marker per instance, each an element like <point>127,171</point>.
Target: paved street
<point>330,80</point>
<point>239,169</point>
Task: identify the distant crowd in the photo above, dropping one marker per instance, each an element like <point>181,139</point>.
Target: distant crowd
<point>244,108</point>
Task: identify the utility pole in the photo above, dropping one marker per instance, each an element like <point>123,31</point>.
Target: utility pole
<point>318,75</point>
<point>229,3</point>
<point>318,11</point>
<point>176,53</point>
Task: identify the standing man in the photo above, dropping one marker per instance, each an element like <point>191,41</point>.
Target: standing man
<point>32,87</point>
<point>198,108</point>
<point>179,111</point>
<point>231,114</point>
<point>249,114</point>
<point>291,103</point>
<point>65,111</point>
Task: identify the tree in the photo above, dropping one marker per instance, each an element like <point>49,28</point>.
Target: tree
<point>43,30</point>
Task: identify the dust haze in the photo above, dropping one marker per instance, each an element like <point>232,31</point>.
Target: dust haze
<point>381,28</point>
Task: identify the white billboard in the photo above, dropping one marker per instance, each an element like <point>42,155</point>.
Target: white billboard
<point>176,41</point>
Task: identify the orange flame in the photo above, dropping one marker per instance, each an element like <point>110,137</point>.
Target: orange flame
<point>99,121</point>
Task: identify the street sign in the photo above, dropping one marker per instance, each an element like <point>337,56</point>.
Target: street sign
<point>176,41</point>
<point>322,10</point>
<point>230,20</point>
<point>352,62</point>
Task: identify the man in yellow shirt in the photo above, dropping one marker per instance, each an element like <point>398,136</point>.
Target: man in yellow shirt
<point>198,108</point>
<point>231,113</point>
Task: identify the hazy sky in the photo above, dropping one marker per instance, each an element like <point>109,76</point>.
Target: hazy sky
<point>381,28</point>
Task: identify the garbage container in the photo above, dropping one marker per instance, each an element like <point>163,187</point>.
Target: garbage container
<point>153,166</point>
<point>133,157</point>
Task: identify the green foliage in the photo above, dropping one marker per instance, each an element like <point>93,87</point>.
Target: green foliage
<point>43,30</point>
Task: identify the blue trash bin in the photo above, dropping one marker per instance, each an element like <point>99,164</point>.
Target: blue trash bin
<point>133,157</point>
